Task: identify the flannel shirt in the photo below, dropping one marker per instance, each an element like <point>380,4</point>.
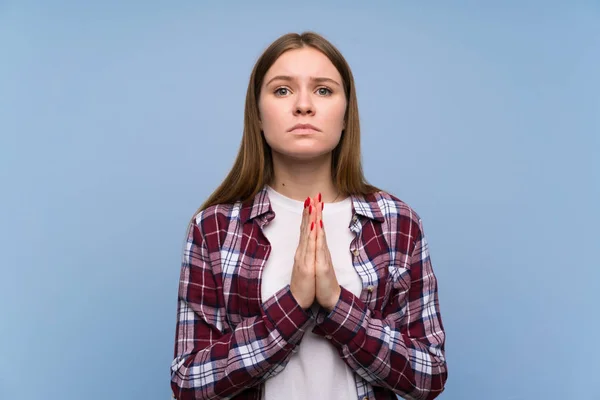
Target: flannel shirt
<point>228,342</point>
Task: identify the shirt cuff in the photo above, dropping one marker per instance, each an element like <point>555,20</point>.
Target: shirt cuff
<point>286,315</point>
<point>344,321</point>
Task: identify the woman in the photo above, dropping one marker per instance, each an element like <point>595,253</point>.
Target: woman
<point>300,280</point>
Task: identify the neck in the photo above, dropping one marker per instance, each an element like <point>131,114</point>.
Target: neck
<point>299,179</point>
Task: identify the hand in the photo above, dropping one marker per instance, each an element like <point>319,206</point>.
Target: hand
<point>327,289</point>
<point>302,283</point>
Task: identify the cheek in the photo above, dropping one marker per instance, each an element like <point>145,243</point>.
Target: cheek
<point>270,122</point>
<point>269,114</point>
<point>336,115</point>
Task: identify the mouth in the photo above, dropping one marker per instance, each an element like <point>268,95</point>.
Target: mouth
<point>304,128</point>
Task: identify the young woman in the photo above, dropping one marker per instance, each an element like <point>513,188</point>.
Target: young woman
<point>299,279</point>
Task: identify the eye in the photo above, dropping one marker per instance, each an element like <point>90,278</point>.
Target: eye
<point>324,91</point>
<point>282,91</point>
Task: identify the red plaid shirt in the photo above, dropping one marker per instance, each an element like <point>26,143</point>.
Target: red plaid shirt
<point>228,342</point>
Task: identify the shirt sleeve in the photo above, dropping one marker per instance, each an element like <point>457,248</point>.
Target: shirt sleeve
<point>403,350</point>
<point>213,362</point>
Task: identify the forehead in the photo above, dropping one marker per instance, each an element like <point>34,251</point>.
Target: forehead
<point>304,62</point>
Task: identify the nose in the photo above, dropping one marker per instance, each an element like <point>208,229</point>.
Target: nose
<point>304,105</point>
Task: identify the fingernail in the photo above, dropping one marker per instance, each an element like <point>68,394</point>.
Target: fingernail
<point>321,223</point>
<point>306,202</point>
<point>322,206</point>
<point>319,196</point>
<point>310,209</point>
<point>312,225</point>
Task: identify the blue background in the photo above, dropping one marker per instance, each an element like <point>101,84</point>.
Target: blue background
<point>117,119</point>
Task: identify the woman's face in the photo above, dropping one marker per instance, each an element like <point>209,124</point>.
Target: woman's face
<point>302,87</point>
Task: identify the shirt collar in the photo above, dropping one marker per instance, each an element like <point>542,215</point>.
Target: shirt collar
<point>260,206</point>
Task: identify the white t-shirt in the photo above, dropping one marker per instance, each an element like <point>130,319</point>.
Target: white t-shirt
<point>316,370</point>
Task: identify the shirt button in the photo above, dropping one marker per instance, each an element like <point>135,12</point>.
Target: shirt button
<point>354,219</point>
<point>370,288</point>
<point>328,337</point>
<point>356,252</point>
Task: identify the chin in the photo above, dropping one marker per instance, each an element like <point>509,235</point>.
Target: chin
<point>304,154</point>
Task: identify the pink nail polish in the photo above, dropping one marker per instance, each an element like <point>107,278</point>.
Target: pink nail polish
<point>321,224</point>
<point>322,206</point>
<point>310,209</point>
<point>319,196</point>
<point>312,225</point>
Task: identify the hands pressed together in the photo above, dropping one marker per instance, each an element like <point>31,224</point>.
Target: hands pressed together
<point>313,276</point>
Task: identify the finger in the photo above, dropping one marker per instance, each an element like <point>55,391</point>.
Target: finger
<point>326,246</point>
<point>319,217</point>
<point>310,254</point>
<point>319,245</point>
<point>310,215</point>
<point>318,221</point>
<point>311,243</point>
<point>313,218</point>
<point>310,212</point>
<point>306,212</point>
<point>303,225</point>
<point>319,211</point>
<point>316,210</point>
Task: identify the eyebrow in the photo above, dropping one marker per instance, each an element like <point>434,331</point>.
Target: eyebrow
<point>314,79</point>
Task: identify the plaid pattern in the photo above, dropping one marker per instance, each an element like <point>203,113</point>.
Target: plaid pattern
<point>228,342</point>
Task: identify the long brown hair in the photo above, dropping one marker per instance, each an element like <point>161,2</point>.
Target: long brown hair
<point>253,166</point>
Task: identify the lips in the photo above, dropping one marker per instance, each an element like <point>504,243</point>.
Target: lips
<point>304,126</point>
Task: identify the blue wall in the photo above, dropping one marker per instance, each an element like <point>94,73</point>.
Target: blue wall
<point>117,120</point>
